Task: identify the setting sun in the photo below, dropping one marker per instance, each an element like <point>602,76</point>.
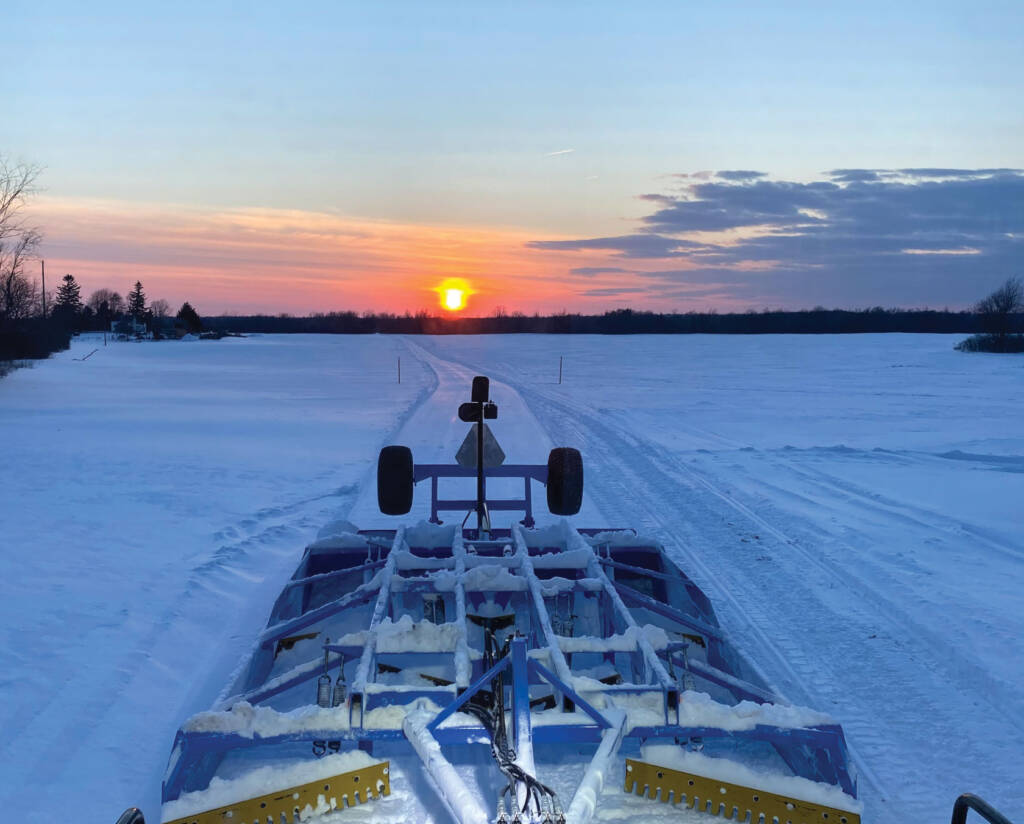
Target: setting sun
<point>453,293</point>
<point>454,299</point>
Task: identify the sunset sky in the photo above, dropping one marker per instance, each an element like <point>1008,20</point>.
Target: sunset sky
<point>310,157</point>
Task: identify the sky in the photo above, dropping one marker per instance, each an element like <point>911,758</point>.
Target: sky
<point>258,157</point>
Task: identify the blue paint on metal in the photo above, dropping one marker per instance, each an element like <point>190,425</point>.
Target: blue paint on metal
<point>526,472</point>
<point>666,611</point>
<point>521,723</point>
<point>358,596</point>
<point>481,682</point>
<point>818,753</point>
<point>558,683</point>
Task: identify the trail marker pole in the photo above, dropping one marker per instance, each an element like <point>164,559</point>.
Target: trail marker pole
<point>559,370</point>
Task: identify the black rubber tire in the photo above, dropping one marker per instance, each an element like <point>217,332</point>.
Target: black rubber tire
<point>565,481</point>
<point>394,480</point>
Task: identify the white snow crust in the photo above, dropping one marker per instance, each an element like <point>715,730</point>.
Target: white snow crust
<point>850,505</point>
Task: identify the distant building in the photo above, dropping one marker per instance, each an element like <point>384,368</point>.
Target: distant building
<point>129,327</point>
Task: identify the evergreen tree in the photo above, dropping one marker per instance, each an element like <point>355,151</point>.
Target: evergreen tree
<point>189,318</point>
<point>69,299</point>
<point>137,302</point>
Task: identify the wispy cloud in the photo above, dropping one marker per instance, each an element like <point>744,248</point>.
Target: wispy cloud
<point>589,271</point>
<point>560,152</point>
<point>272,260</point>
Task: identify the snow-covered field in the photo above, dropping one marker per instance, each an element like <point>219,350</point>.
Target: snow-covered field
<point>851,504</point>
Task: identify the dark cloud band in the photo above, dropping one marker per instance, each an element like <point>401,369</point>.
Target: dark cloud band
<point>928,235</point>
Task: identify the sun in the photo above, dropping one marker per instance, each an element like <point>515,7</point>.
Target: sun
<point>453,293</point>
<point>454,299</point>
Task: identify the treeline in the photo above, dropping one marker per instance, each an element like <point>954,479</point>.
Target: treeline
<point>32,326</point>
<point>616,322</point>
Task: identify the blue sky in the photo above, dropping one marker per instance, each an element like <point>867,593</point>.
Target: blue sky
<point>550,118</point>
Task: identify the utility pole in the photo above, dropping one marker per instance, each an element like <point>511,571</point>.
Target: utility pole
<point>43,264</point>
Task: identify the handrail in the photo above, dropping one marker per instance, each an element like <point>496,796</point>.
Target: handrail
<point>979,805</point>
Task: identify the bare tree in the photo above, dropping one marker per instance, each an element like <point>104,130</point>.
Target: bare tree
<point>98,298</point>
<point>998,309</point>
<point>160,308</point>
<point>18,241</point>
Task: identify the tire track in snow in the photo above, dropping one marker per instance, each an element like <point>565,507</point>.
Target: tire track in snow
<point>154,668</point>
<point>896,708</point>
<point>967,674</point>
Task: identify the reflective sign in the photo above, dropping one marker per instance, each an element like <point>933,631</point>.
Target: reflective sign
<point>493,454</point>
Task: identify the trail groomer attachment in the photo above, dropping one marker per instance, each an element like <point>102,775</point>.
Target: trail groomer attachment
<point>490,673</point>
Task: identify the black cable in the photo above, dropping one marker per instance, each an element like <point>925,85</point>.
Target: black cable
<point>492,718</point>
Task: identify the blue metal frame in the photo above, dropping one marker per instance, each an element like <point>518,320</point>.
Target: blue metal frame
<point>818,753</point>
<point>527,472</point>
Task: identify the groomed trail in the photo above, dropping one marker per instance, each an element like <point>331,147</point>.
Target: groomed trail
<point>826,623</point>
<point>851,507</point>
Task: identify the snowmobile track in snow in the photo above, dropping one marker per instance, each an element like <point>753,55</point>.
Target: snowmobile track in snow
<point>904,695</point>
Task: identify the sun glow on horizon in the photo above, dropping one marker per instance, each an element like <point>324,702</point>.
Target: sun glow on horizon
<point>453,293</point>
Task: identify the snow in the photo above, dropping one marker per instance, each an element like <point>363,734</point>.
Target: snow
<point>601,768</point>
<point>697,709</point>
<point>622,642</point>
<point>406,635</point>
<point>156,498</point>
<point>850,504</point>
<point>461,801</point>
<point>805,484</point>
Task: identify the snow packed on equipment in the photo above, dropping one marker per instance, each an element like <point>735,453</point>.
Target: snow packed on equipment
<point>518,675</point>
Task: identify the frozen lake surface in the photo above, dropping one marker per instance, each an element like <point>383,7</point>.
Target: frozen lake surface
<point>851,504</point>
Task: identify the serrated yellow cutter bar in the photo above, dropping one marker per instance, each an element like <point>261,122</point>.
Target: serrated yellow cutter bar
<point>730,801</point>
<point>338,791</point>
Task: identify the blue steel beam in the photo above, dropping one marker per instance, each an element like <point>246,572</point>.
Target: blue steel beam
<point>826,740</point>
<point>336,573</point>
<point>742,690</point>
<point>671,613</point>
<point>559,684</point>
<point>359,595</point>
<point>474,688</point>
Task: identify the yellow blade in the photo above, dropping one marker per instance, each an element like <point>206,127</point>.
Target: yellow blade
<point>709,795</point>
<point>338,791</point>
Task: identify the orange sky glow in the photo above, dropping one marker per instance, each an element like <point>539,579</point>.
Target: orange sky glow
<point>269,261</point>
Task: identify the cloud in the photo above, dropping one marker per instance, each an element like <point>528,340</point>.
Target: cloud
<point>949,173</point>
<point>611,291</point>
<point>273,260</point>
<point>639,245</point>
<point>854,175</point>
<point>560,152</point>
<point>931,236</point>
<point>740,174</point>
<point>596,270</point>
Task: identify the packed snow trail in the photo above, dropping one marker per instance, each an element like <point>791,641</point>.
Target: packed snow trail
<point>157,496</point>
<point>826,620</point>
<point>155,499</point>
<point>434,433</point>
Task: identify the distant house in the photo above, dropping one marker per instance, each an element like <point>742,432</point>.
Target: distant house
<point>129,327</point>
<point>166,327</point>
